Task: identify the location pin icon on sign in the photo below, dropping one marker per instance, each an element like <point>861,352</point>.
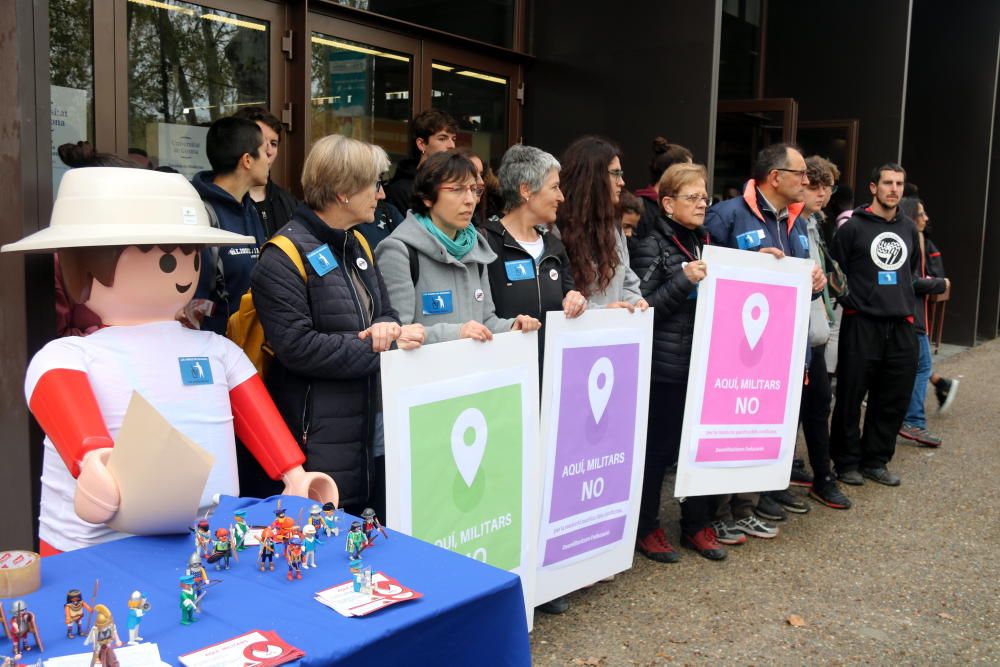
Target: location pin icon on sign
<point>602,379</point>
<point>755,313</point>
<point>468,457</point>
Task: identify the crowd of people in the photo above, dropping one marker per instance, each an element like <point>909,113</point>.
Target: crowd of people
<point>450,249</point>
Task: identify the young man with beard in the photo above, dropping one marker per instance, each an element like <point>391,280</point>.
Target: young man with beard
<point>877,248</point>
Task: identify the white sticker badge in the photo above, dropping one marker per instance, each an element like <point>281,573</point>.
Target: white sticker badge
<point>362,264</point>
<point>479,295</point>
<point>554,274</point>
<point>189,215</point>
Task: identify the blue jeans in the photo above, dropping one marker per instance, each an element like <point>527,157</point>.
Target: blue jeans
<point>915,414</point>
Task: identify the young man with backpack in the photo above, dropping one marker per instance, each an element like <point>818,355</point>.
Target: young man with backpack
<point>238,154</point>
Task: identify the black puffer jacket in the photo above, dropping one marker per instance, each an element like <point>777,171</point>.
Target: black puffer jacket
<point>658,260</point>
<point>324,379</point>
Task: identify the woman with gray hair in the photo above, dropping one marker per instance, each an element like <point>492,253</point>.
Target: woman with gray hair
<point>531,274</point>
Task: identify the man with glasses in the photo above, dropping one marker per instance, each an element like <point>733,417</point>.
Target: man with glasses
<point>878,250</point>
<point>765,219</point>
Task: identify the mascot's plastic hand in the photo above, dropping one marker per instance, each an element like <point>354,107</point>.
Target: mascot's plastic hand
<point>97,495</point>
<point>313,485</point>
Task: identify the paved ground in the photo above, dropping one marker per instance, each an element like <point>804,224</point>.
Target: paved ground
<point>909,576</point>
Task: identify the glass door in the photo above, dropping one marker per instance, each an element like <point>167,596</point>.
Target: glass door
<point>479,93</point>
<point>362,84</point>
<point>743,128</point>
<point>189,64</point>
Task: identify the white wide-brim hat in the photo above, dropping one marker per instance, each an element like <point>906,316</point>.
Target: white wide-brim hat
<point>113,206</point>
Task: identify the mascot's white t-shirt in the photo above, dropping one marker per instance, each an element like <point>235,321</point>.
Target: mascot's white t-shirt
<point>185,374</point>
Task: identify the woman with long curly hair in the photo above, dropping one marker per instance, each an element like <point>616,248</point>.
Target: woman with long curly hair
<point>592,181</point>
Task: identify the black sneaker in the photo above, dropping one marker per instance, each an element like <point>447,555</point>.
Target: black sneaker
<point>945,390</point>
<point>789,501</point>
<point>852,477</point>
<point>828,493</point>
<point>769,509</point>
<point>557,606</point>
<point>801,477</point>
<point>881,475</point>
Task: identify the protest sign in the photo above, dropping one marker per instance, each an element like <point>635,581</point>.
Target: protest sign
<point>595,399</point>
<point>746,374</point>
<point>461,442</point>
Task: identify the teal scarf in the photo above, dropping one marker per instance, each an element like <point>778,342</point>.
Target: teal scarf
<point>458,247</point>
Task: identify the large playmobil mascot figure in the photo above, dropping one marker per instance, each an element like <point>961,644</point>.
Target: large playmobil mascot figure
<point>128,242</point>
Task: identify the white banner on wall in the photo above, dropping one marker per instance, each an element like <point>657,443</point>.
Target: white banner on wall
<point>595,400</point>
<point>179,146</point>
<point>747,369</point>
<point>68,108</point>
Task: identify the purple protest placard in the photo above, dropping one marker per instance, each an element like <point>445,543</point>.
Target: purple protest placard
<point>596,434</point>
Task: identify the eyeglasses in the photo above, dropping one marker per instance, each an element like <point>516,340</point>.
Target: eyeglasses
<point>798,172</point>
<point>379,185</point>
<point>476,190</point>
<point>833,189</point>
<point>617,173</point>
<point>694,199</point>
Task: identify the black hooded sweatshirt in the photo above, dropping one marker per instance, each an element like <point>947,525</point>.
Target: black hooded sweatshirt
<point>882,260</point>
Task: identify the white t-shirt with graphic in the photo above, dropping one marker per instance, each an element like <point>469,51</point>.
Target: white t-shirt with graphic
<point>149,359</point>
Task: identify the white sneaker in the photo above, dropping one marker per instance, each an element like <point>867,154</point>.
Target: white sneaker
<point>753,526</point>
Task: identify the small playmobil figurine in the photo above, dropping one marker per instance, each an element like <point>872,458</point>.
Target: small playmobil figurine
<point>361,576</point>
<point>356,541</point>
<point>330,519</point>
<point>293,554</point>
<point>266,552</point>
<point>21,624</point>
<point>130,250</point>
<point>189,600</point>
<point>222,549</point>
<point>309,543</point>
<point>196,571</point>
<point>239,529</point>
<point>372,524</point>
<point>138,605</point>
<point>102,636</point>
<point>203,538</point>
<point>316,517</point>
<point>75,607</point>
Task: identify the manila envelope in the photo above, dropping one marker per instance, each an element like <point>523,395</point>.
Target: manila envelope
<point>161,473</point>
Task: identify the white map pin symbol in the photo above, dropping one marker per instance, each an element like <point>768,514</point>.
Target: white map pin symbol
<point>753,327</point>
<point>604,370</point>
<point>469,457</point>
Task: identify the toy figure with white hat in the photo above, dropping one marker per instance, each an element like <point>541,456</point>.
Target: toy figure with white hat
<point>128,242</point>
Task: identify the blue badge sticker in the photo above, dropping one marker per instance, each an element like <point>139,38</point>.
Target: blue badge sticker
<point>886,277</point>
<point>804,242</point>
<point>195,370</point>
<point>521,269</point>
<point>748,241</point>
<point>436,303</point>
<point>322,260</point>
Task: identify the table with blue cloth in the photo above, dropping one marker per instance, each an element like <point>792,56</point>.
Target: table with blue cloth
<point>470,613</point>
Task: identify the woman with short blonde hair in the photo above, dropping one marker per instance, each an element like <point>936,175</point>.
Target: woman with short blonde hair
<point>328,326</point>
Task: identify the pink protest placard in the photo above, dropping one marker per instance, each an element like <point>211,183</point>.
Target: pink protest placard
<point>747,370</point>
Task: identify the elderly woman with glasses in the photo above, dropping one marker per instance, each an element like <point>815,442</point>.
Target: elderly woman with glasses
<point>328,326</point>
<point>435,262</point>
<point>669,265</point>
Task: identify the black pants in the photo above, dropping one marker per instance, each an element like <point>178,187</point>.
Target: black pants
<point>815,414</point>
<point>663,441</point>
<point>877,357</point>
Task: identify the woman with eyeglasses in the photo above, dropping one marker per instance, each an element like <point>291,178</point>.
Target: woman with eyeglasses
<point>435,262</point>
<point>328,326</point>
<point>592,181</point>
<point>669,265</point>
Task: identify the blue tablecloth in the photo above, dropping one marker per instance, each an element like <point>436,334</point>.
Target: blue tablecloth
<point>471,613</point>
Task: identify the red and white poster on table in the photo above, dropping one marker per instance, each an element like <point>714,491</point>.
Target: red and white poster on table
<point>746,374</point>
<point>257,648</point>
<point>384,592</point>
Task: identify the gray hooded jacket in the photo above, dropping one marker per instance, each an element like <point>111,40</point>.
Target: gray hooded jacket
<point>441,279</point>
